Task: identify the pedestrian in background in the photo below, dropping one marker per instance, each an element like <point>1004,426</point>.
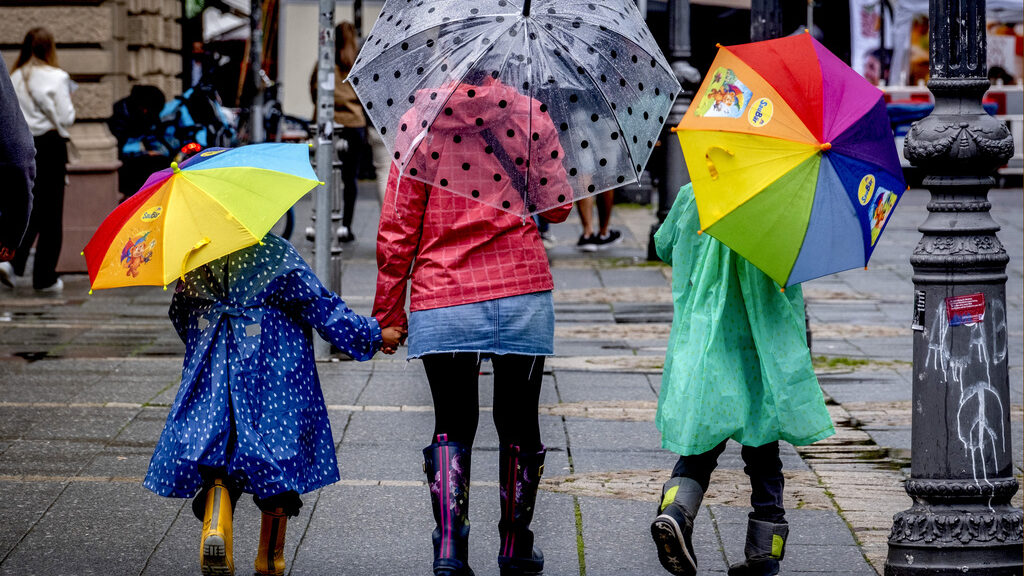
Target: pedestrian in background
<point>17,172</point>
<point>249,415</point>
<point>737,366</point>
<point>44,94</point>
<point>593,240</point>
<point>348,113</point>
<point>481,288</point>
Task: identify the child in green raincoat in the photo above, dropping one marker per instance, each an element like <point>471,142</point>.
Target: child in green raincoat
<point>737,366</point>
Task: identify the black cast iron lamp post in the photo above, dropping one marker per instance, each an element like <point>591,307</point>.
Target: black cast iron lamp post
<point>961,480</point>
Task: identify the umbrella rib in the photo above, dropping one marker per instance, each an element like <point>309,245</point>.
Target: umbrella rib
<point>632,159</point>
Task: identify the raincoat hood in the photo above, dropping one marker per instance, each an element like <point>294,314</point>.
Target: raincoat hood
<point>489,102</point>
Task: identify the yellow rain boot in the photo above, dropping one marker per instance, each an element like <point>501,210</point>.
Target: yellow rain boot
<point>270,558</point>
<point>215,549</point>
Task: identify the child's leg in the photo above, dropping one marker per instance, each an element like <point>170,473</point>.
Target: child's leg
<point>764,467</point>
<point>517,382</point>
<point>273,523</point>
<point>215,549</point>
<point>681,496</point>
<point>767,529</point>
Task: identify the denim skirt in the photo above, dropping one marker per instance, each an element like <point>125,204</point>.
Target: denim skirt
<point>523,324</point>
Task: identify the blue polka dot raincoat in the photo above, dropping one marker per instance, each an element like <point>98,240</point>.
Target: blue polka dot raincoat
<point>250,400</point>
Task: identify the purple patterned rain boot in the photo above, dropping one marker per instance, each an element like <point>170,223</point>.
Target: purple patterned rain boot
<point>519,478</point>
<point>447,467</point>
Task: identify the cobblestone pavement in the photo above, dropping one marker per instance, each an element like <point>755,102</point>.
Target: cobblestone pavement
<point>86,381</point>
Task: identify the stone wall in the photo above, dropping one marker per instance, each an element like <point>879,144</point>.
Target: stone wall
<point>107,46</point>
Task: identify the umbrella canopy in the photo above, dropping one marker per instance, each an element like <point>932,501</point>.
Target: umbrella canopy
<point>217,202</point>
<point>495,100</point>
<point>792,158</point>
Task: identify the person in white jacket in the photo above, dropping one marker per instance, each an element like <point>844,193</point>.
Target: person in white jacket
<point>44,94</point>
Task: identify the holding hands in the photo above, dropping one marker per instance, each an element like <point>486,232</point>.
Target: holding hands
<point>393,337</point>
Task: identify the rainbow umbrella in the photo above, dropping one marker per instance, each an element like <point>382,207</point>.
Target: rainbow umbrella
<point>792,158</point>
<point>214,203</point>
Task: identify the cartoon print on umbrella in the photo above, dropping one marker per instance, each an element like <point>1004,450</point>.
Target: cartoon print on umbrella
<point>137,252</point>
<point>591,70</point>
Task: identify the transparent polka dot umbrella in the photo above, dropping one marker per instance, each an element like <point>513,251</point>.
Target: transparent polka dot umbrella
<point>523,106</point>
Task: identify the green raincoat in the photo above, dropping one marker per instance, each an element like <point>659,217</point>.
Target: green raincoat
<point>737,364</point>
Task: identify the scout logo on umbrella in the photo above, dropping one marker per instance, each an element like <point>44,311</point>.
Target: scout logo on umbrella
<point>761,112</point>
<point>726,96</point>
<point>136,253</point>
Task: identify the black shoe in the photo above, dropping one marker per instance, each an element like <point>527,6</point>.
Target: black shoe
<point>672,531</point>
<point>613,237</point>
<point>587,243</point>
<point>764,548</point>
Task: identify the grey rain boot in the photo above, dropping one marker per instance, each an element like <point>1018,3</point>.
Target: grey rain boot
<point>672,530</point>
<point>766,545</point>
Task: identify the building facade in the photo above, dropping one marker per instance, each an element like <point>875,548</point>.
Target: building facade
<point>106,46</point>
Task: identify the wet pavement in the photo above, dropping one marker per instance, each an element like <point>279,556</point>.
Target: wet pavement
<point>86,382</point>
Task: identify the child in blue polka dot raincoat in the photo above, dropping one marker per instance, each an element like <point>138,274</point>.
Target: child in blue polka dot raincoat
<point>737,366</point>
<point>249,415</point>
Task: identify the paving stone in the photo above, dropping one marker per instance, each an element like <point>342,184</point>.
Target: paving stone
<point>22,504</point>
<point>632,277</point>
<point>100,514</point>
<point>627,548</point>
<point>81,423</point>
<point>586,460</point>
<point>48,457</point>
<point>587,434</point>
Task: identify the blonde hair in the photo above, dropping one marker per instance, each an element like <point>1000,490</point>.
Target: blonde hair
<point>38,46</point>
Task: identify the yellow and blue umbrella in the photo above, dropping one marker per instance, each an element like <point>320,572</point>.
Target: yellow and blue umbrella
<point>214,203</point>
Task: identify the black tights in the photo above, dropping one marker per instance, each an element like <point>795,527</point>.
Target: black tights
<point>453,381</point>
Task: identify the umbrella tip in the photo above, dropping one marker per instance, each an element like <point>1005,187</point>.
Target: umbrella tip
<point>806,31</point>
<point>699,232</point>
<point>826,146</point>
<point>718,44</point>
<point>865,268</point>
<point>782,290</point>
<point>165,288</point>
<point>90,291</point>
<point>174,166</point>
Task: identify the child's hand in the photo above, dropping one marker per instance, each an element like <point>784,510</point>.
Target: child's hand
<point>392,337</point>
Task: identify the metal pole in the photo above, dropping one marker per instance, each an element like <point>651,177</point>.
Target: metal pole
<point>676,174</point>
<point>256,132</point>
<point>961,477</point>
<point>324,150</point>
<point>765,20</point>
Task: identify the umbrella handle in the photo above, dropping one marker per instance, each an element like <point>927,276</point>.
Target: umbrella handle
<point>197,246</point>
<point>712,169</point>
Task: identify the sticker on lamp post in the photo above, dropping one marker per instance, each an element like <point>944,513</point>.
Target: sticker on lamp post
<point>965,310</point>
